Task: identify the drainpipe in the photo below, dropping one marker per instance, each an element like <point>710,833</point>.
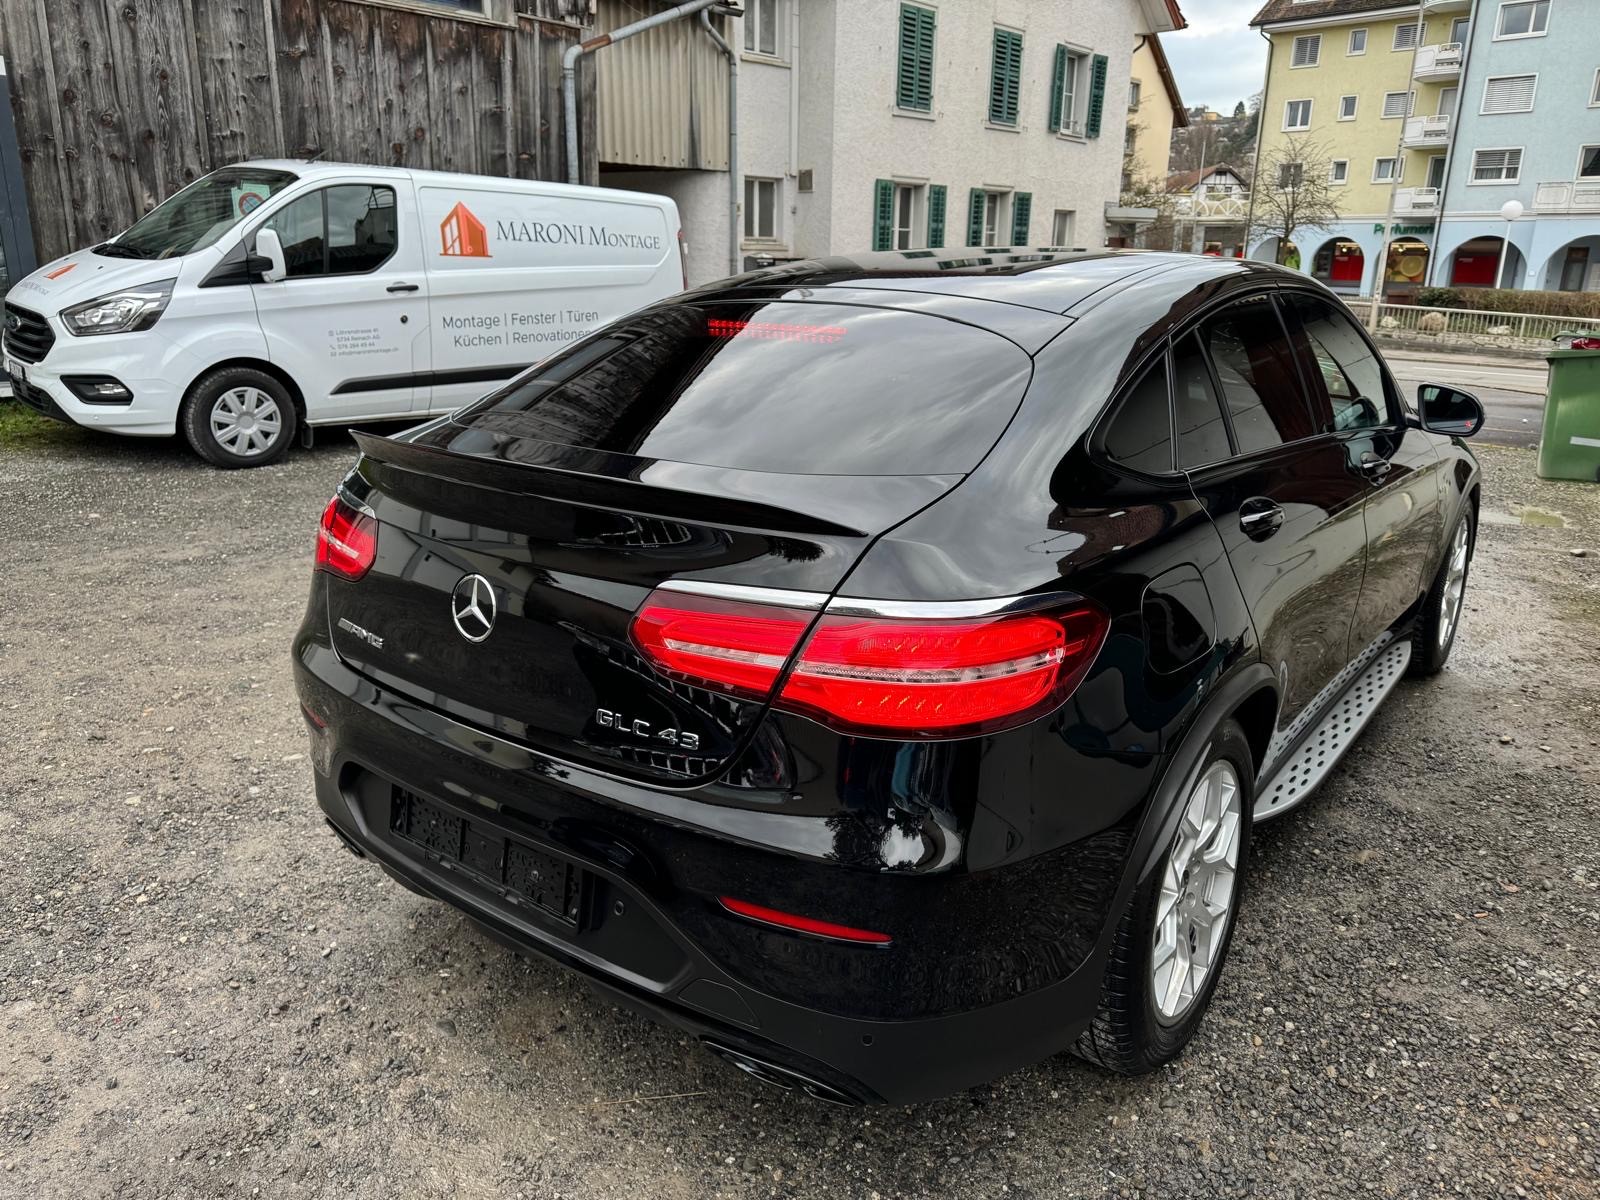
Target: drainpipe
<point>569,68</point>
<point>734,181</point>
<point>1382,264</point>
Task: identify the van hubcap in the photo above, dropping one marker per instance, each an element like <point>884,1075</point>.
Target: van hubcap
<point>1198,883</point>
<point>246,421</point>
<point>1455,585</point>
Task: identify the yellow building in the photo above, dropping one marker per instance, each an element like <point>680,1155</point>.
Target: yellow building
<point>1154,110</point>
<point>1363,91</point>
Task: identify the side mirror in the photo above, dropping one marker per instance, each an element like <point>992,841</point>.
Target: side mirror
<point>269,247</point>
<point>1449,410</point>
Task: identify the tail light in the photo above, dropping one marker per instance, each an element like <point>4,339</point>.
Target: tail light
<point>896,677</point>
<point>347,542</point>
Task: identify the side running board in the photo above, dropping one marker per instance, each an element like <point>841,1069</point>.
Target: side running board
<point>1325,745</point>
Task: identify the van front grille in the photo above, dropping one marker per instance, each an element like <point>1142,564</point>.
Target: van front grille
<point>28,335</point>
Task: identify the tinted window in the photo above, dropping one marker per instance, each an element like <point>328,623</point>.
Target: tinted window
<point>1202,433</point>
<point>811,389</point>
<point>1140,435</point>
<point>1250,355</point>
<point>1341,369</point>
<point>343,230</point>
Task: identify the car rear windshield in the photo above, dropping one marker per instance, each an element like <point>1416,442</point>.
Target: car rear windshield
<point>788,387</point>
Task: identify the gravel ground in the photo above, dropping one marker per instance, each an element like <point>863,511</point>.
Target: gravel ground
<point>202,994</point>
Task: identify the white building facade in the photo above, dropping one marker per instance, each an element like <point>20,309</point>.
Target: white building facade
<point>881,124</point>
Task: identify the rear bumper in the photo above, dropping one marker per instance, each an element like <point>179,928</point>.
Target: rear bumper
<point>650,933</point>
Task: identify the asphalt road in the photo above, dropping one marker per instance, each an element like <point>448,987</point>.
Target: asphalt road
<point>1512,390</point>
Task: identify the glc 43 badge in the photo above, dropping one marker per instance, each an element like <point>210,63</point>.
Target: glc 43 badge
<point>607,719</point>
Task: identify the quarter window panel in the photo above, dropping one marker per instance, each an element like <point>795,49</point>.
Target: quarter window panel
<point>1140,435</point>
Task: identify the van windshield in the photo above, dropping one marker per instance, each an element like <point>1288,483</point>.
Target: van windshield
<point>197,216</point>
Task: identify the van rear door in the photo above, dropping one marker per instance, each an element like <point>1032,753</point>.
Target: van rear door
<point>349,320</point>
<point>517,272</point>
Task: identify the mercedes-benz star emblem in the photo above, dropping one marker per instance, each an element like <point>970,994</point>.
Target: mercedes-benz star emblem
<point>472,607</point>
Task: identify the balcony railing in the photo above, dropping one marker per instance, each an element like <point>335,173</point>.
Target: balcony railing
<point>1438,62</point>
<point>1567,196</point>
<point>1221,207</point>
<point>1444,6</point>
<point>1414,200</point>
<point>1427,131</point>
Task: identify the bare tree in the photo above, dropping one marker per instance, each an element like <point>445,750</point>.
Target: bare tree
<point>1293,192</point>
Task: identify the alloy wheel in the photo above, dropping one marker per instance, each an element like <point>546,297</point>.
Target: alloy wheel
<point>1455,585</point>
<point>1199,883</point>
<point>246,421</point>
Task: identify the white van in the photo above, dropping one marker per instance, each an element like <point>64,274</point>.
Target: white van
<point>271,296</point>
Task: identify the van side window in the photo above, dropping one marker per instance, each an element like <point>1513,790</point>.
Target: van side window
<point>348,229</point>
<point>1140,435</point>
<point>1202,433</point>
<point>1343,373</point>
<point>1250,353</point>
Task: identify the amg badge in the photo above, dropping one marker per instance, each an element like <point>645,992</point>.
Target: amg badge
<point>607,719</point>
<point>366,635</point>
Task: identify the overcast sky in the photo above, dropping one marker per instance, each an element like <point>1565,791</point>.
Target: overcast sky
<point>1219,59</point>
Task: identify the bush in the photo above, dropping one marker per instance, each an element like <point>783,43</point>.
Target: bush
<point>1507,300</point>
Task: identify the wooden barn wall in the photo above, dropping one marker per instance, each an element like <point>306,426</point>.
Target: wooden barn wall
<point>119,103</point>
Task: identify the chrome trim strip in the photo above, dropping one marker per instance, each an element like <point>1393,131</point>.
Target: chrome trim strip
<point>782,597</point>
<point>859,606</point>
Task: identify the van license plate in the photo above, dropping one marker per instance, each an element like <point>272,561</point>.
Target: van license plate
<point>16,370</point>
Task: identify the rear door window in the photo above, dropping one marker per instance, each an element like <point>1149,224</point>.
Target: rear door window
<point>1250,354</point>
<point>1197,415</point>
<point>1140,435</point>
<point>1340,368</point>
<point>786,387</point>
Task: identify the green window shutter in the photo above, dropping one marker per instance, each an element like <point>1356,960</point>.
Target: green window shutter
<point>935,215</point>
<point>1097,95</point>
<point>1005,77</point>
<point>1021,210</point>
<point>914,80</point>
<point>883,214</point>
<point>1058,85</point>
<point>975,217</point>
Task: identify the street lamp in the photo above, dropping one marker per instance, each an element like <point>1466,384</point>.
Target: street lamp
<point>1509,212</point>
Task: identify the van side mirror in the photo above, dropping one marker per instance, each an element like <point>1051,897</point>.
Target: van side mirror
<point>1449,410</point>
<point>269,250</point>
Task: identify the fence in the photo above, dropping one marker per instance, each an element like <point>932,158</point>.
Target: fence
<point>1470,327</point>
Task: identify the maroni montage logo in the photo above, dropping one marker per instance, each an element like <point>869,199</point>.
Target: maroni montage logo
<point>462,235</point>
<point>562,233</point>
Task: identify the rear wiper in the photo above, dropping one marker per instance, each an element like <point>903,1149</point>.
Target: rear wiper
<point>116,250</point>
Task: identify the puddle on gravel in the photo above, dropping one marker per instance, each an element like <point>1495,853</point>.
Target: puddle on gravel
<point>1526,514</point>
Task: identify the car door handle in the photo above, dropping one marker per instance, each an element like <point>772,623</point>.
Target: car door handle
<point>1374,466</point>
<point>1260,517</point>
<point>401,287</point>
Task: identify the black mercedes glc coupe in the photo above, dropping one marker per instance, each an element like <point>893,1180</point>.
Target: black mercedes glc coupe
<point>874,666</point>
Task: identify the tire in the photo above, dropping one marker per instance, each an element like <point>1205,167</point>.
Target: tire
<point>263,425</point>
<point>1440,619</point>
<point>1143,1022</point>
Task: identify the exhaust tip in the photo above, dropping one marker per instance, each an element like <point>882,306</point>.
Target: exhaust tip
<point>783,1078</point>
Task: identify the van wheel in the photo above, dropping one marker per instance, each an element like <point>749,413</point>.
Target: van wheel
<point>1172,941</point>
<point>239,417</point>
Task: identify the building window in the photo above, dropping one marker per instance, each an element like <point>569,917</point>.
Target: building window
<point>992,203</point>
<point>1339,171</point>
<point>760,209</point>
<point>1509,93</point>
<point>1398,104</point>
<point>1290,175</point>
<point>1347,108</point>
<point>1594,93</point>
<point>1383,170</point>
<point>1406,37</point>
<point>1589,162</point>
<point>1133,96</point>
<point>1358,42</point>
<point>914,80</point>
<point>1061,227</point>
<point>1005,77</point>
<point>1297,114</point>
<point>1069,88</point>
<point>1497,166</point>
<point>906,197</point>
<point>1307,50</point>
<point>763,27</point>
<point>1523,18</point>
<point>1458,30</point>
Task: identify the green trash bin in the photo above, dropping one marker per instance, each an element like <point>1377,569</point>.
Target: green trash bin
<point>1569,447</point>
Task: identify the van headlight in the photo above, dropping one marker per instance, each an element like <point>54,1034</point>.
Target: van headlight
<point>126,311</point>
